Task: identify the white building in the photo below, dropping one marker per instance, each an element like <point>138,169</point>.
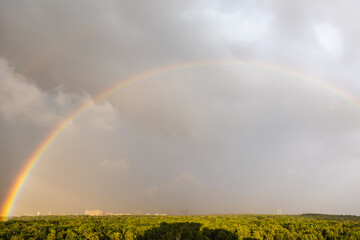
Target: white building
<point>277,211</point>
<point>94,212</point>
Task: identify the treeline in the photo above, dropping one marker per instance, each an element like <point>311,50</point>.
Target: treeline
<point>307,226</point>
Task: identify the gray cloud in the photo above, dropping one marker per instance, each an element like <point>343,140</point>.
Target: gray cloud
<point>210,139</point>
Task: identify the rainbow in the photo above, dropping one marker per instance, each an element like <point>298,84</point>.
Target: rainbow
<point>41,149</point>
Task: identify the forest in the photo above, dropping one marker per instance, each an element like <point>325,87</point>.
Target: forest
<point>248,227</point>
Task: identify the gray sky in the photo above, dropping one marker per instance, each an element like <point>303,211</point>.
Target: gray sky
<point>210,139</point>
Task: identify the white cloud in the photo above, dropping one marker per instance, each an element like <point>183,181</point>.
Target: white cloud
<point>20,99</point>
<point>103,116</point>
<point>329,38</point>
<point>237,26</point>
<point>243,25</point>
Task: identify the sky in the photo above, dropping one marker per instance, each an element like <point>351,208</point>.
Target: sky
<point>216,138</point>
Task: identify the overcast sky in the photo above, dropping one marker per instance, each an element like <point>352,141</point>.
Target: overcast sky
<point>201,140</point>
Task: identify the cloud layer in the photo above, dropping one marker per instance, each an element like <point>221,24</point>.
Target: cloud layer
<point>210,139</point>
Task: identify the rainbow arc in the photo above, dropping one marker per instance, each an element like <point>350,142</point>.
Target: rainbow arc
<point>31,162</point>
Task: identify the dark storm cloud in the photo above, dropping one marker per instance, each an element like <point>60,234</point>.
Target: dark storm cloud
<point>65,43</point>
<point>247,138</point>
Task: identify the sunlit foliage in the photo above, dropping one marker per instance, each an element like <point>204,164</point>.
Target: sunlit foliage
<point>309,226</point>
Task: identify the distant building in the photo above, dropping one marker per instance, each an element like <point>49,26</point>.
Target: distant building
<point>277,211</point>
<point>94,212</point>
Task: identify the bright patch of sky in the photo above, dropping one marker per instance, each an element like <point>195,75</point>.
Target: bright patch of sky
<point>329,38</point>
<point>244,26</point>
